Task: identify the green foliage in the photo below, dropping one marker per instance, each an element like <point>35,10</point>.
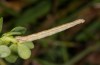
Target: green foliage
<point>4,51</point>
<point>11,58</point>
<point>10,46</point>
<point>8,39</point>
<point>1,42</point>
<point>23,51</point>
<point>28,44</point>
<point>14,48</point>
<point>16,31</point>
<point>39,15</point>
<point>31,15</point>
<point>1,23</point>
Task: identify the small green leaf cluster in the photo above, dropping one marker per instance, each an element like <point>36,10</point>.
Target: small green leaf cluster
<point>11,48</point>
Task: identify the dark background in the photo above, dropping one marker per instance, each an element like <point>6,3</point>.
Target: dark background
<point>61,48</point>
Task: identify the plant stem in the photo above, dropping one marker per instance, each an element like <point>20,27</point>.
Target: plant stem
<point>49,32</point>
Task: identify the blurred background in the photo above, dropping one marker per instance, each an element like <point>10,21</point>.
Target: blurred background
<point>62,48</point>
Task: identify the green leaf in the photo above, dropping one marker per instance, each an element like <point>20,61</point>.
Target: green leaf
<point>12,33</point>
<point>8,39</point>
<point>30,45</point>
<point>14,48</point>
<point>23,51</point>
<point>4,51</point>
<point>18,31</point>
<point>32,14</point>
<point>11,58</point>
<point>1,23</point>
<point>1,42</point>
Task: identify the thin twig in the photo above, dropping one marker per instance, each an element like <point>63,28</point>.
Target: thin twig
<point>49,32</point>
